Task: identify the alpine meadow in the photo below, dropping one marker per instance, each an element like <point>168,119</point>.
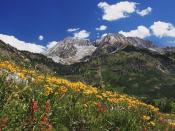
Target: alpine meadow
<point>82,65</point>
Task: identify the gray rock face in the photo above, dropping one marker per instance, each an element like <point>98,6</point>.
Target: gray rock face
<point>63,50</point>
<point>70,50</point>
<point>114,42</point>
<point>141,43</point>
<point>119,38</point>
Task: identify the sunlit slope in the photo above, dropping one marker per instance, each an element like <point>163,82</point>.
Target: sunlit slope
<point>31,100</point>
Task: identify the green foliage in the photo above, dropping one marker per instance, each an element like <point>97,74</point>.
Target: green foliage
<point>173,107</point>
<point>72,111</point>
<point>142,73</point>
<point>135,72</point>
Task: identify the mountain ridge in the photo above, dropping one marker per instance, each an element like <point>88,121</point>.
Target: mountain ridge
<point>73,50</point>
<point>138,71</point>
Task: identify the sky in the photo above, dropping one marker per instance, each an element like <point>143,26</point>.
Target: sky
<point>36,25</point>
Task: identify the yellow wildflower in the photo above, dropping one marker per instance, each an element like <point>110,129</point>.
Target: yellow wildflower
<point>48,91</point>
<point>104,95</point>
<point>21,75</point>
<point>146,118</point>
<point>99,96</point>
<point>62,90</point>
<point>172,124</point>
<point>152,123</point>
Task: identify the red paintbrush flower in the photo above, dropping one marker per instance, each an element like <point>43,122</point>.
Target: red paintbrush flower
<point>47,107</point>
<point>167,129</point>
<point>98,105</point>
<point>34,106</point>
<point>44,119</point>
<point>101,107</point>
<point>49,127</point>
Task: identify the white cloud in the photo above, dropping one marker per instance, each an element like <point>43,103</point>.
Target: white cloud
<point>40,37</point>
<point>83,34</point>
<point>163,29</point>
<point>22,45</point>
<point>103,35</point>
<point>140,32</point>
<point>101,28</point>
<point>72,29</point>
<point>144,12</point>
<point>51,44</point>
<point>117,11</point>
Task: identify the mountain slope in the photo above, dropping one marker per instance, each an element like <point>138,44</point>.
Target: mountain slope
<point>36,101</point>
<point>70,51</point>
<point>114,42</point>
<point>140,70</point>
<point>30,60</point>
<point>126,68</point>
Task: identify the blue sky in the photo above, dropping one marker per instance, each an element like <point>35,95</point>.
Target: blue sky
<point>26,20</point>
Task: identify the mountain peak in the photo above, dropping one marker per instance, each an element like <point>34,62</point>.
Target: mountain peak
<point>71,50</point>
<point>76,41</point>
<point>112,38</point>
<point>113,42</point>
<point>116,38</point>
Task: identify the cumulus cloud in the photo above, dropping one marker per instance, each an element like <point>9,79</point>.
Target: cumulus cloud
<point>22,45</point>
<point>144,12</point>
<point>117,11</point>
<point>103,35</point>
<point>159,29</point>
<point>101,28</point>
<point>72,29</point>
<point>140,32</point>
<point>40,37</point>
<point>51,44</point>
<point>83,34</point>
<point>163,29</point>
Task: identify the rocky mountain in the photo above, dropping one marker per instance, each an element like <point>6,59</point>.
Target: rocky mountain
<point>130,65</point>
<point>115,38</point>
<point>70,50</point>
<point>114,42</point>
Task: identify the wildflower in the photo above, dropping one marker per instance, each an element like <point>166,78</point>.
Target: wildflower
<point>167,129</point>
<point>21,75</point>
<point>34,106</point>
<point>111,100</point>
<point>48,90</point>
<point>98,105</point>
<point>50,127</point>
<point>3,122</point>
<point>101,107</point>
<point>172,124</point>
<point>152,123</point>
<point>62,90</point>
<point>99,96</point>
<point>45,125</point>
<point>104,95</point>
<point>146,118</point>
<point>47,107</point>
<point>44,119</point>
